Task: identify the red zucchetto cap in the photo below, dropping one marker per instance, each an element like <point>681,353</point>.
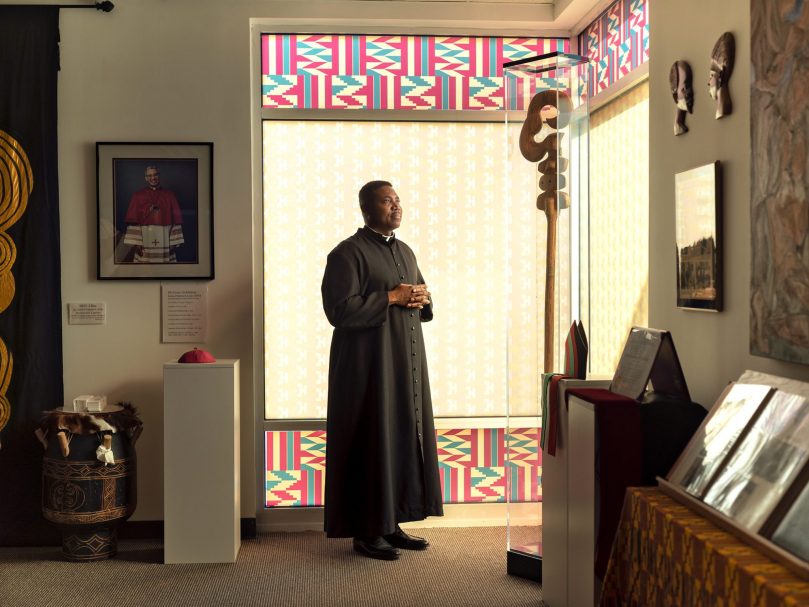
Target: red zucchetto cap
<point>197,356</point>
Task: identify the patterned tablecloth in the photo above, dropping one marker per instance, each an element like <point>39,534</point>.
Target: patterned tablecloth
<point>668,555</point>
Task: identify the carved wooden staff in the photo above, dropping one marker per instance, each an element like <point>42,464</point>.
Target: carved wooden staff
<point>550,200</point>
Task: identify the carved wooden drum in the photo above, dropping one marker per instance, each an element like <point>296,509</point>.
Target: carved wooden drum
<point>88,477</point>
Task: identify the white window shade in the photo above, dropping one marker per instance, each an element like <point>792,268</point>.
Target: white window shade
<point>451,179</point>
<point>619,220</point>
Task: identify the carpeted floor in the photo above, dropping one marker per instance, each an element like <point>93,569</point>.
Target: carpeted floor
<point>464,567</point>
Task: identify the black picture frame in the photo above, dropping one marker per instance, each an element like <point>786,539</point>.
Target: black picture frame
<point>173,213</point>
<point>698,235</point>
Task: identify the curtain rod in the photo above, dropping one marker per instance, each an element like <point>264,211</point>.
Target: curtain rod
<point>99,6</point>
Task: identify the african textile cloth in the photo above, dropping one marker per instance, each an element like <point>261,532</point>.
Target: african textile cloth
<point>475,464</point>
<point>348,72</point>
<point>666,554</point>
<point>617,42</point>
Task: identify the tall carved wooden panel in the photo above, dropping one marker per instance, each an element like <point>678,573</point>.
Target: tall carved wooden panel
<point>779,122</point>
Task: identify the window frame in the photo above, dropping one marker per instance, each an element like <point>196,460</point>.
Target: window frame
<point>310,517</point>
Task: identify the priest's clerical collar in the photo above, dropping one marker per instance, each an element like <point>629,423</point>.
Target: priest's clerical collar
<point>386,238</point>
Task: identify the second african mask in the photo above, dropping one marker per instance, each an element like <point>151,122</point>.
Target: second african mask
<point>722,56</point>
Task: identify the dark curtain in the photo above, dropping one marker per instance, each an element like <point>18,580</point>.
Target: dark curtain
<point>30,294</point>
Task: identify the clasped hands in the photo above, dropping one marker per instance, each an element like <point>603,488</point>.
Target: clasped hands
<point>409,296</point>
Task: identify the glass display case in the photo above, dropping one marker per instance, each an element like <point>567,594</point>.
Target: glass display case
<point>546,128</point>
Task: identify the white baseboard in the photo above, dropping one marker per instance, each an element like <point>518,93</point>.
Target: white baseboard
<point>455,515</point>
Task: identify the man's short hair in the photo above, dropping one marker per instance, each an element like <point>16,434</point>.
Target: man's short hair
<point>151,166</point>
<point>366,194</point>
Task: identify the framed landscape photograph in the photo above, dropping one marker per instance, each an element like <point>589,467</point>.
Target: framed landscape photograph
<point>155,210</point>
<point>698,196</point>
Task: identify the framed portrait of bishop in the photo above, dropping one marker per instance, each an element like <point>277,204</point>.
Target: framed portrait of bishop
<point>155,210</point>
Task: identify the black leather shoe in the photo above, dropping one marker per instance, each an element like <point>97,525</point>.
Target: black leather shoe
<point>408,542</point>
<point>375,548</point>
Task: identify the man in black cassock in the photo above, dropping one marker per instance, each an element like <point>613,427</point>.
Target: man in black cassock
<point>381,459</point>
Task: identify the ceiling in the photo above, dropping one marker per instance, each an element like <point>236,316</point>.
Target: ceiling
<point>569,16</point>
<point>478,1</point>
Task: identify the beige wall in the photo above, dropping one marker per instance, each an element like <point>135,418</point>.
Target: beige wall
<point>154,70</point>
<point>713,348</point>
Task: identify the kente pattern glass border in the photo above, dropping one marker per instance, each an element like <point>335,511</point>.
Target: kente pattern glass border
<point>392,72</point>
<point>617,42</point>
<point>472,464</point>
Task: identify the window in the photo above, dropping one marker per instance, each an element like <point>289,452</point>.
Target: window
<point>617,43</point>
<point>450,173</point>
<point>619,224</point>
<point>422,112</point>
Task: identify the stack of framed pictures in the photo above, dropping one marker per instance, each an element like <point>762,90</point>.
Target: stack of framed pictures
<point>747,469</point>
<point>709,447</point>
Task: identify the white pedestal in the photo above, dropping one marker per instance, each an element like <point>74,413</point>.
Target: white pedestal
<point>560,571</point>
<point>201,461</point>
<point>582,589</point>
